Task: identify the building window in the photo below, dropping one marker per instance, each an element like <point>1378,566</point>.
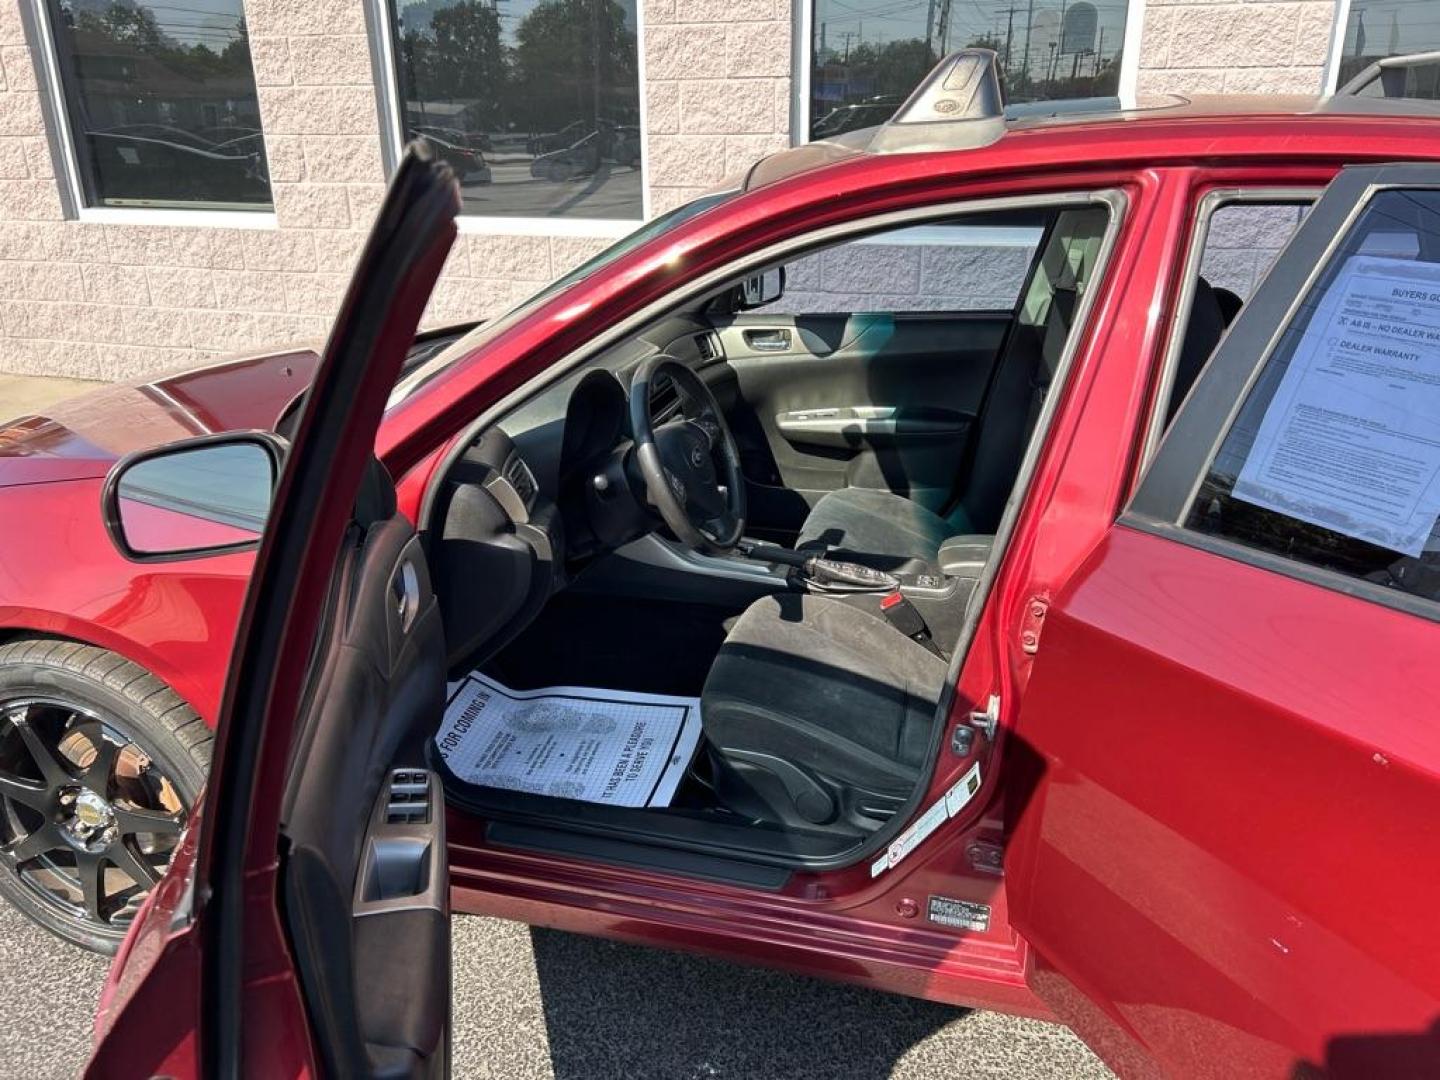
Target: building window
<point>535,103</point>
<point>1375,29</point>
<point>867,55</point>
<point>159,102</point>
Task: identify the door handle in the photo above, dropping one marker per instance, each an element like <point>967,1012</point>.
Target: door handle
<point>768,340</point>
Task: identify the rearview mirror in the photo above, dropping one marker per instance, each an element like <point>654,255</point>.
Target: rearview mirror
<point>193,498</point>
<point>762,288</point>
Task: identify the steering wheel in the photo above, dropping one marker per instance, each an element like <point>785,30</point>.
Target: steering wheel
<point>678,460</point>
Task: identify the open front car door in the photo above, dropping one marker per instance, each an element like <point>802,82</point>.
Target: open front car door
<point>310,925</point>
<point>1225,855</point>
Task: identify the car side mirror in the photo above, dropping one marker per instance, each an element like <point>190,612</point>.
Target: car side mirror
<point>762,288</point>
<point>194,498</point>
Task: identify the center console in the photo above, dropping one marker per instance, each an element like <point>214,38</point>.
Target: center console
<point>924,602</point>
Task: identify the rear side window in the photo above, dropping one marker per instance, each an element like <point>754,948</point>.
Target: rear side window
<point>1333,458</point>
<point>1242,239</point>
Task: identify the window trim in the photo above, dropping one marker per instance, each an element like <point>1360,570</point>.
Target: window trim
<point>384,67</point>
<point>1169,487</point>
<point>1205,209</point>
<point>1335,53</point>
<point>60,136</point>
<point>802,24</point>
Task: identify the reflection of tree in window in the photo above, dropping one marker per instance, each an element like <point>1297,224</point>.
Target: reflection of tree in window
<point>162,102</point>
<point>868,54</point>
<point>536,104</point>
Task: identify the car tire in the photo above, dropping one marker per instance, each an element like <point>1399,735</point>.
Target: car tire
<point>134,733</point>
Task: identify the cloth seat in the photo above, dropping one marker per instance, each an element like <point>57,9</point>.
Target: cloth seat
<point>819,713</point>
<point>867,521</point>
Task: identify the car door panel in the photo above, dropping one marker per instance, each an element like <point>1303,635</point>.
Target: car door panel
<point>377,908</point>
<point>821,402</point>
<point>1227,759</point>
<point>337,678</point>
<point>1209,856</point>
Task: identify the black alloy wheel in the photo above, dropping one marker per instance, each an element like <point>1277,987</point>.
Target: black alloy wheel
<point>95,787</point>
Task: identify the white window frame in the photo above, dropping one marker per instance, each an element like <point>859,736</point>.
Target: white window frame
<point>802,22</point>
<point>380,28</point>
<point>36,16</point>
<point>1337,46</point>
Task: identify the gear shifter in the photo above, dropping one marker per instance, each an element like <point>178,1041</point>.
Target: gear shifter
<point>821,573</point>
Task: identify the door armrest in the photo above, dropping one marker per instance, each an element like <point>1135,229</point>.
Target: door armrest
<point>965,556</point>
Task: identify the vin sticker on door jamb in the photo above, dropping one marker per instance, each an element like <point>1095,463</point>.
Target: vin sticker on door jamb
<point>961,914</point>
<point>939,812</point>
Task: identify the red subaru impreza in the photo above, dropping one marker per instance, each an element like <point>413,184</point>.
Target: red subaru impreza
<point>990,560</point>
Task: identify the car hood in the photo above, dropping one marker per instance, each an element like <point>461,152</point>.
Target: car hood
<point>82,437</point>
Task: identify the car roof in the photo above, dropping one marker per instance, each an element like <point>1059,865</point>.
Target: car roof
<point>1228,122</point>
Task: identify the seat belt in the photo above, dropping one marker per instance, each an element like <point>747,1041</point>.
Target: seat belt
<point>900,613</point>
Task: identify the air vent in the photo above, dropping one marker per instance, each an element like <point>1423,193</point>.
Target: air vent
<point>519,476</point>
<point>708,347</point>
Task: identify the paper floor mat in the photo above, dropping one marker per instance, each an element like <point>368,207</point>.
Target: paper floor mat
<point>604,746</point>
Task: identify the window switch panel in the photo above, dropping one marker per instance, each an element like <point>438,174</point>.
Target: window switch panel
<point>408,800</point>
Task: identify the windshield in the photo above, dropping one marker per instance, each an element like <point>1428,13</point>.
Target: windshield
<point>630,241</point>
<point>433,364</point>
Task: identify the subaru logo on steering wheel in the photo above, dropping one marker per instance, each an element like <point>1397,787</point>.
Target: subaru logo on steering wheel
<point>697,456</point>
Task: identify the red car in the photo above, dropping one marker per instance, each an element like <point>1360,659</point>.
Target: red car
<point>1038,664</point>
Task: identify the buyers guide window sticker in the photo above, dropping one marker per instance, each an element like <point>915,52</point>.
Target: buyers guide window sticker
<point>941,811</point>
<point>1351,440</point>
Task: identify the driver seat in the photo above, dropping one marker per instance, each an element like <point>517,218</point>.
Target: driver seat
<point>819,714</point>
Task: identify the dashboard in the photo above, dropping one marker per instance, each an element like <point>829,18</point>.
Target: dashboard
<point>547,488</point>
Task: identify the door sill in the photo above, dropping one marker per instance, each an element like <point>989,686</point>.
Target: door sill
<point>539,840</point>
<point>656,838</point>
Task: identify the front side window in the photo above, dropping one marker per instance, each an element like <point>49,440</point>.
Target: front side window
<point>865,58</point>
<point>161,103</point>
<point>536,104</point>
<point>1334,458</point>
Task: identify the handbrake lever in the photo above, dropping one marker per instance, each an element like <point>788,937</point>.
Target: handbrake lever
<point>832,575</point>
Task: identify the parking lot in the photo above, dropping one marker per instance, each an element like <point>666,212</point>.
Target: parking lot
<point>540,1004</point>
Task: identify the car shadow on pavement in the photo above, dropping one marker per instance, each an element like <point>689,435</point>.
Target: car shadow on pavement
<point>614,1010</point>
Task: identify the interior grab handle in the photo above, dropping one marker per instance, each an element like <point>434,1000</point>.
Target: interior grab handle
<point>852,424</point>
<point>768,340</point>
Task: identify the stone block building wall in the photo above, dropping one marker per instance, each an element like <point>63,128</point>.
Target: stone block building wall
<point>1242,243</point>
<point>874,276</point>
<point>1228,47</point>
<point>717,91</point>
<point>120,300</point>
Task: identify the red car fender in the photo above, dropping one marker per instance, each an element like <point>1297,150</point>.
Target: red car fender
<point>175,619</point>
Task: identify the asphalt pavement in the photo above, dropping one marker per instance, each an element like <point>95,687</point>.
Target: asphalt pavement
<point>534,1004</point>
